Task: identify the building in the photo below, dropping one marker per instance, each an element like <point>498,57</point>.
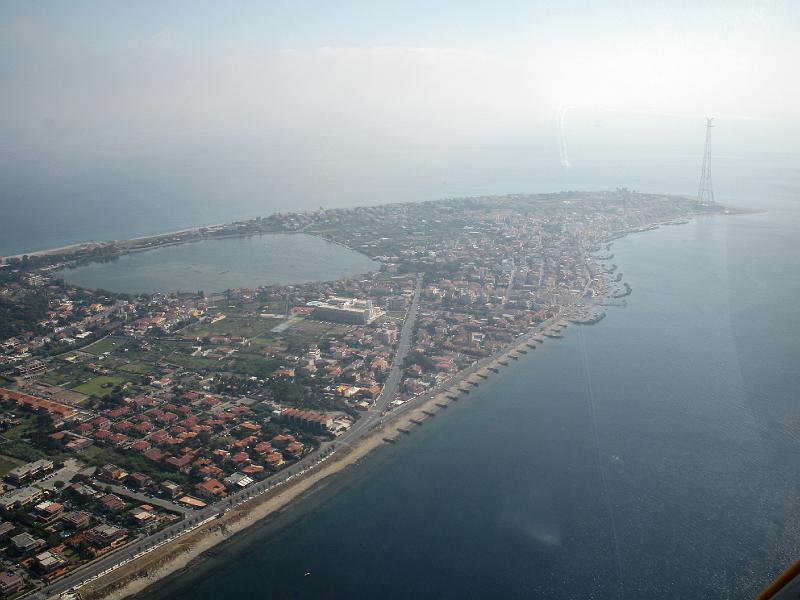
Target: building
<point>345,310</point>
<point>387,336</point>
<point>77,519</point>
<point>238,481</point>
<point>211,489</point>
<point>48,512</point>
<point>141,516</point>
<point>49,561</point>
<point>111,473</point>
<point>10,583</point>
<point>26,543</point>
<point>6,529</point>
<point>307,419</point>
<point>104,535</point>
<point>20,497</point>
<point>396,304</point>
<point>140,480</point>
<point>58,412</point>
<point>171,489</point>
<point>30,471</point>
<point>112,502</point>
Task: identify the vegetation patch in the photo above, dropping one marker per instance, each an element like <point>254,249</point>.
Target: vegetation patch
<point>100,386</point>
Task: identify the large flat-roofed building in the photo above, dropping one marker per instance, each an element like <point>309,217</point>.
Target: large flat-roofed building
<point>30,471</point>
<point>103,535</point>
<point>352,311</point>
<point>307,419</point>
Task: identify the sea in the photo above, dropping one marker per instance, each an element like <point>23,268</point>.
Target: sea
<point>652,455</point>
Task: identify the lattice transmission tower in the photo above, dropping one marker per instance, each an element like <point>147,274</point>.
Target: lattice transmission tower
<point>705,193</point>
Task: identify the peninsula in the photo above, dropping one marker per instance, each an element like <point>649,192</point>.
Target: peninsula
<point>141,430</point>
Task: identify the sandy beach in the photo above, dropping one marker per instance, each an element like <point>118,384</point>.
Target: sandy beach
<point>91,243</point>
<point>177,555</point>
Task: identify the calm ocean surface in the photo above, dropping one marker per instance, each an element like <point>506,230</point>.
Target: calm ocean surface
<point>221,264</point>
<point>654,454</point>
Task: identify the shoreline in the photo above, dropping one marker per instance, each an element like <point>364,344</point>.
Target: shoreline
<point>76,246</point>
<point>94,244</point>
<point>176,556</point>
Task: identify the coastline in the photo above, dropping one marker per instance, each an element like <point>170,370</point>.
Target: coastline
<point>176,556</point>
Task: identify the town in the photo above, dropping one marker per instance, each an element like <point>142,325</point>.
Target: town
<point>123,415</point>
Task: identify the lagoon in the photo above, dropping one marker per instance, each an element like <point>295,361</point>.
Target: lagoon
<point>215,265</point>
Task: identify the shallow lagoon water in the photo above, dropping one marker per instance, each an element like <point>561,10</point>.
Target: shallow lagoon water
<point>215,265</point>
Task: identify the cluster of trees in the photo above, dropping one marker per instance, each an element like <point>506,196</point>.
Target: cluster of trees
<point>21,314</point>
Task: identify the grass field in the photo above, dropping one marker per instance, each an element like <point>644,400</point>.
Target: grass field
<point>309,331</point>
<point>26,427</point>
<point>233,326</point>
<point>139,368</point>
<point>21,450</point>
<point>99,386</point>
<point>108,344</point>
<point>7,463</point>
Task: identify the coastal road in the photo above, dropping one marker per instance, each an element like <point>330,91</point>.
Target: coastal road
<point>362,427</point>
<point>193,517</point>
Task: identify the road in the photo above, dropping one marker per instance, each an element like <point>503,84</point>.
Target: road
<point>362,427</point>
<point>395,372</point>
<point>510,285</point>
<point>194,518</point>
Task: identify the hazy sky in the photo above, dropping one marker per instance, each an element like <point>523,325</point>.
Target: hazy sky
<point>398,69</point>
<point>322,92</point>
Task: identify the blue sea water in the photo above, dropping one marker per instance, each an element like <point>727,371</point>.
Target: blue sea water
<point>653,455</point>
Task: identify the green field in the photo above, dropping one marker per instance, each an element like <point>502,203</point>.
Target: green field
<point>234,327</point>
<point>99,386</point>
<point>28,424</point>
<point>310,331</point>
<point>108,344</point>
<point>139,368</point>
<point>7,463</point>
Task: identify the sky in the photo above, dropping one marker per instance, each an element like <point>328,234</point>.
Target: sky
<point>308,98</point>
